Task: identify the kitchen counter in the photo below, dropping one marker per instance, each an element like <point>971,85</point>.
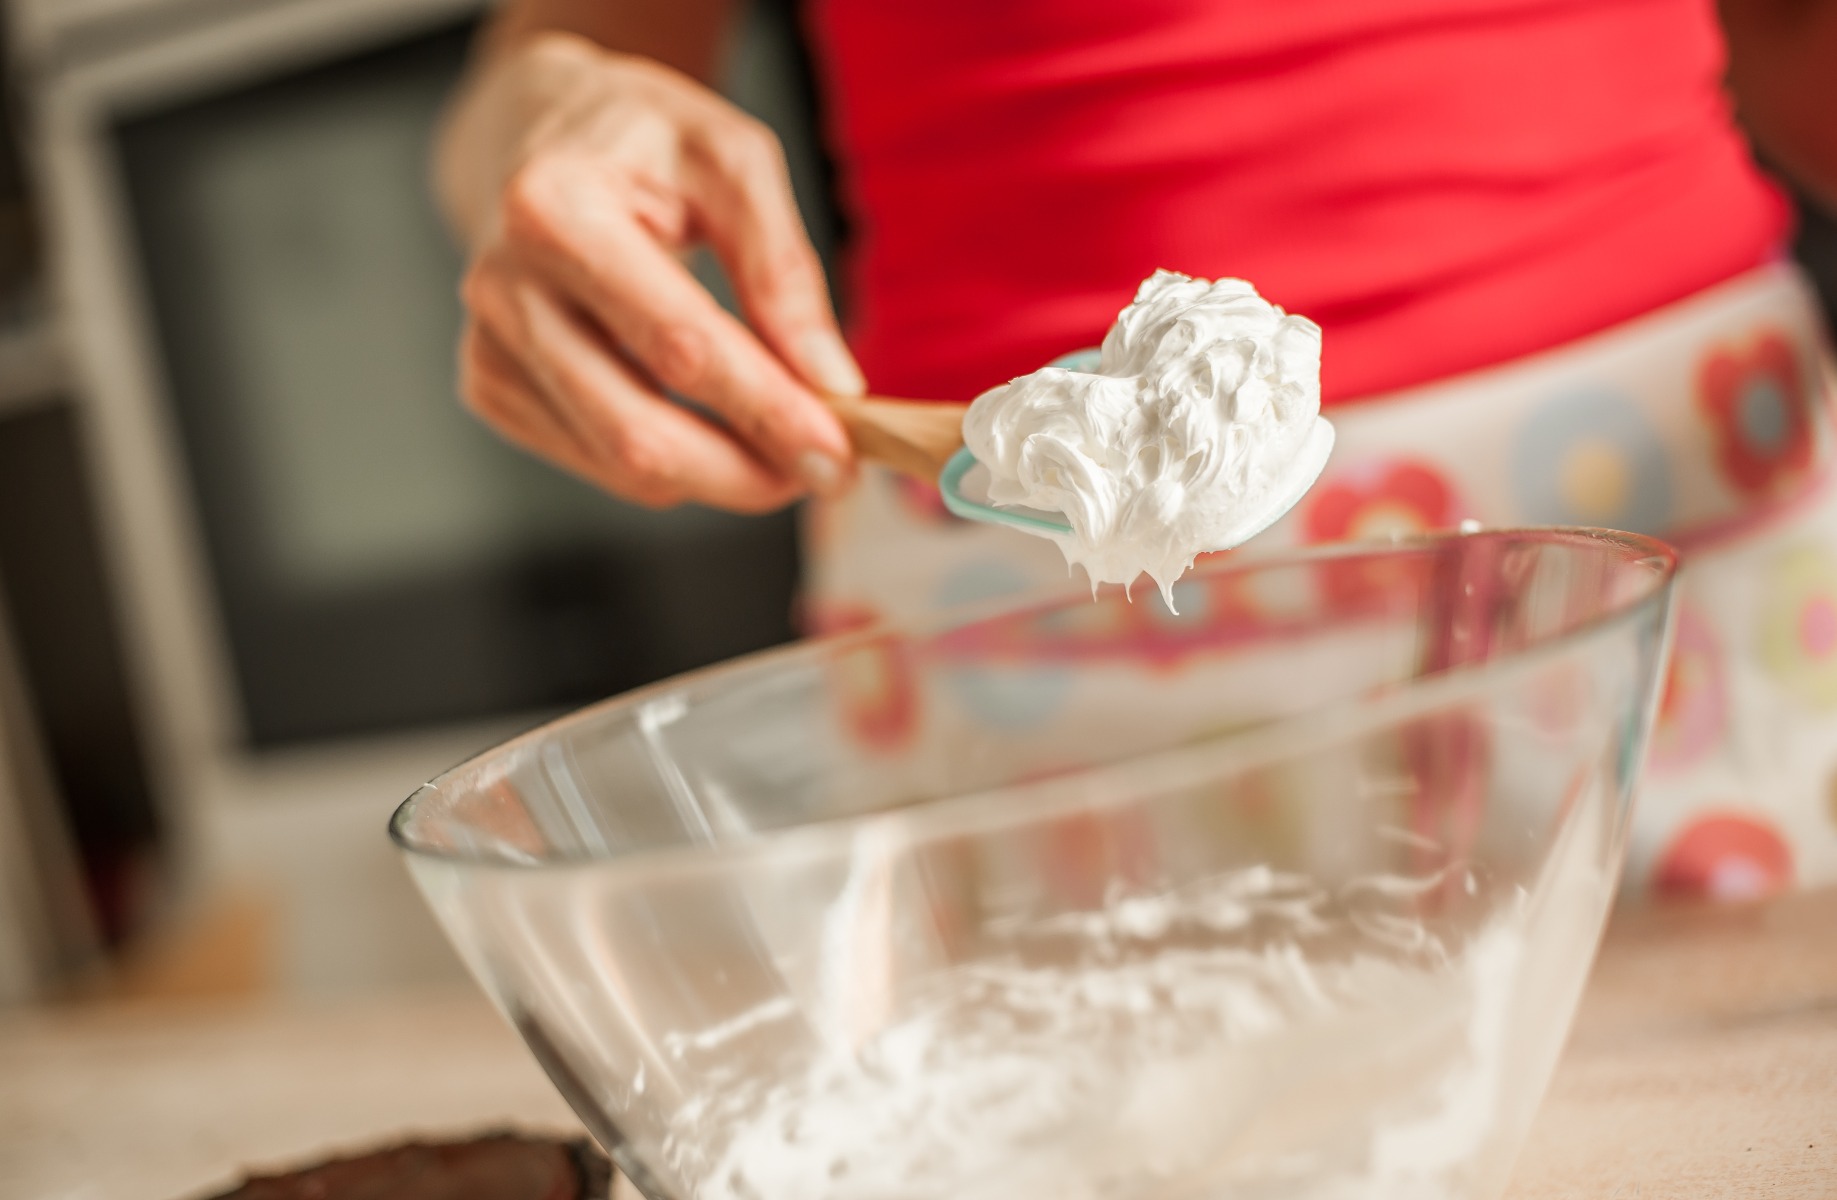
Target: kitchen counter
<point>1704,1064</point>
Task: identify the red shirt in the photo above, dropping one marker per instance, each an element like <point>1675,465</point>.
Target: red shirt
<point>1441,184</point>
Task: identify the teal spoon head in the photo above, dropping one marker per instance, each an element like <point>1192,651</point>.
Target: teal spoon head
<point>965,482</point>
<point>965,488</point>
<point>965,485</point>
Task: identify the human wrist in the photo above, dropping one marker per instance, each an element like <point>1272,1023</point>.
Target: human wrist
<point>507,96</point>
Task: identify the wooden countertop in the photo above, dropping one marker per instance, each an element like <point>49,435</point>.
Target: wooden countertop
<point>1704,1064</point>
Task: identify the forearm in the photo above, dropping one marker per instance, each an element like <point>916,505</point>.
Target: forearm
<point>528,62</point>
<point>1783,73</point>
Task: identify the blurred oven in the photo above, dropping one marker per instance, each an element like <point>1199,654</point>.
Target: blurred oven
<point>335,581</point>
<point>47,933</point>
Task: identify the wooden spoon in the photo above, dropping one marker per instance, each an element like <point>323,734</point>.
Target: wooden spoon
<point>914,436</point>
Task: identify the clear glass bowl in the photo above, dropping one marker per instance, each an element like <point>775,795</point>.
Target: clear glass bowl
<point>1291,895</point>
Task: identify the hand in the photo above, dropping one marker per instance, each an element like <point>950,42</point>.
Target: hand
<point>581,314</point>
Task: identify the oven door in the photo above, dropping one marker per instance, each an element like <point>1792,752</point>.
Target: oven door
<point>336,580</point>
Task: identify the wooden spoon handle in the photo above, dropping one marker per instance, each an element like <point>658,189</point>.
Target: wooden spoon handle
<point>914,436</point>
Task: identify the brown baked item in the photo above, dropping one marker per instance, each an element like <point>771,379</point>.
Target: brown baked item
<point>499,1166</point>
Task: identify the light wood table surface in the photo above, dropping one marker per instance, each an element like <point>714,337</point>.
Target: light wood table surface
<point>1704,1064</point>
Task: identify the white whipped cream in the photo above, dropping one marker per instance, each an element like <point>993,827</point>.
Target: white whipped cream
<point>1200,427</point>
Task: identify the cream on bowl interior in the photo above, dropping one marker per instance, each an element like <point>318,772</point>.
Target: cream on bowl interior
<point>1291,895</point>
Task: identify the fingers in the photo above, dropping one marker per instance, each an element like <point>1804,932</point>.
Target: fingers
<point>644,434</point>
<point>740,191</point>
<point>570,387</point>
<point>499,393</point>
<point>605,263</point>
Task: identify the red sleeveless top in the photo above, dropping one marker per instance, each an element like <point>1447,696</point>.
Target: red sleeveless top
<point>1441,184</point>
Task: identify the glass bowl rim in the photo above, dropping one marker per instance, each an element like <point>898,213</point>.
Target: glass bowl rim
<point>1249,746</point>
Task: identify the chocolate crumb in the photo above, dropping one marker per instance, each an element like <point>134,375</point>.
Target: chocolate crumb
<point>498,1166</point>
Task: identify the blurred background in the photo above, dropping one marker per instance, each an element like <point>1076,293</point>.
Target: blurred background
<point>260,575</point>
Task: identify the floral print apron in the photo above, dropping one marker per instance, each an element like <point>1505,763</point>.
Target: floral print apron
<point>1708,424</point>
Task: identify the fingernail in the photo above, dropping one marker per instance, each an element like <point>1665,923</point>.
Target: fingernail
<point>831,366</point>
<point>820,473</point>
